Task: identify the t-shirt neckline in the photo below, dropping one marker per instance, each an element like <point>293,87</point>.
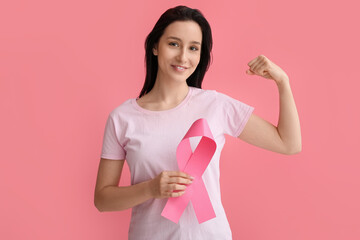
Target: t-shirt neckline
<point>184,101</point>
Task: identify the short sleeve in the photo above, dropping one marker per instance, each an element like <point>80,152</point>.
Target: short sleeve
<point>235,114</point>
<point>111,148</point>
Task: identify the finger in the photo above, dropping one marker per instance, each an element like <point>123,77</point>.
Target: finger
<point>168,194</point>
<point>180,187</point>
<point>250,72</point>
<point>174,194</point>
<point>255,62</point>
<point>177,194</point>
<point>179,174</point>
<point>254,66</point>
<point>252,61</point>
<point>260,69</point>
<point>180,180</point>
<point>173,187</point>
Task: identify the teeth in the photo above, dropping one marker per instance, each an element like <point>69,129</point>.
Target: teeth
<point>180,68</point>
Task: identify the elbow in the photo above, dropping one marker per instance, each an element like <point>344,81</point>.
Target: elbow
<point>294,150</point>
<point>99,209</point>
<point>103,206</point>
<point>97,203</point>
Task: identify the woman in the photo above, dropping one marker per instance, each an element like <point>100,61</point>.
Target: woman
<point>147,130</point>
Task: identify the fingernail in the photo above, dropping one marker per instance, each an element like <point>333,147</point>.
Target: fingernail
<point>192,177</point>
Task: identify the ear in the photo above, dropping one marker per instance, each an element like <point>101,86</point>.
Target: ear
<point>155,52</point>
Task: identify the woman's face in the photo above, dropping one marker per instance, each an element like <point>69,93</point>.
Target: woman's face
<point>178,50</point>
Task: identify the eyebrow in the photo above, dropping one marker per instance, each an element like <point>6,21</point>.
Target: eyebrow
<point>195,42</point>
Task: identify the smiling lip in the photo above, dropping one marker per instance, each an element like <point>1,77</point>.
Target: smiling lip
<point>178,67</point>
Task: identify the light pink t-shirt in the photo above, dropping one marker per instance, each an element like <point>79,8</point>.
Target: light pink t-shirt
<point>148,141</point>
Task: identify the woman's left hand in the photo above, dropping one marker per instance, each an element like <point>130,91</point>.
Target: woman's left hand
<point>263,67</point>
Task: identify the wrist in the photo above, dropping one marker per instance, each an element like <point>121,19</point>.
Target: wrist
<point>283,82</point>
<point>149,189</point>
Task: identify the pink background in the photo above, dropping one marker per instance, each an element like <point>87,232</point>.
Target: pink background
<point>64,65</point>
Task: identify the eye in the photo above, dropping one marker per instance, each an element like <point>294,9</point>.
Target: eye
<point>194,48</point>
<point>173,44</point>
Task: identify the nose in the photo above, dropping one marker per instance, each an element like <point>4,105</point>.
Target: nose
<point>181,57</point>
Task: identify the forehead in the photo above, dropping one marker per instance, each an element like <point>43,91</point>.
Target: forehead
<point>187,31</point>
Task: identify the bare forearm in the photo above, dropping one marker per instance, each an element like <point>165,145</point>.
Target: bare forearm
<point>289,123</point>
<point>114,198</point>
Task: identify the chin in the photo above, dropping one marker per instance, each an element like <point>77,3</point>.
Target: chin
<point>180,78</point>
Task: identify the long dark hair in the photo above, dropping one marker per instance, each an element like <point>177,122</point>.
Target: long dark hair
<point>179,13</point>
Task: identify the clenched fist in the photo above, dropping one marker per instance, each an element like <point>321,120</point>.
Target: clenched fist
<point>263,67</point>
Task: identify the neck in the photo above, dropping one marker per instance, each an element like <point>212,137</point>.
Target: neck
<point>169,92</point>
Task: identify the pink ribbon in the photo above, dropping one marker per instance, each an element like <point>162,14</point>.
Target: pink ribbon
<point>193,163</point>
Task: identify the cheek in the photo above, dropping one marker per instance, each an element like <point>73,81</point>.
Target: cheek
<point>196,59</point>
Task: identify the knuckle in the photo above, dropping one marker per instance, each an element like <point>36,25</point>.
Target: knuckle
<point>180,187</point>
<point>175,194</point>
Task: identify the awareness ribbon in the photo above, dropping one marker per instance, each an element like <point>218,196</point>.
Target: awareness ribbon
<point>193,163</point>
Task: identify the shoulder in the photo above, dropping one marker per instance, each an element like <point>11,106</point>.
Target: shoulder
<point>203,93</point>
<point>212,94</point>
<point>123,108</point>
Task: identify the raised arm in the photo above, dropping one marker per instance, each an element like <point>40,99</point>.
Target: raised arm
<point>286,137</point>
